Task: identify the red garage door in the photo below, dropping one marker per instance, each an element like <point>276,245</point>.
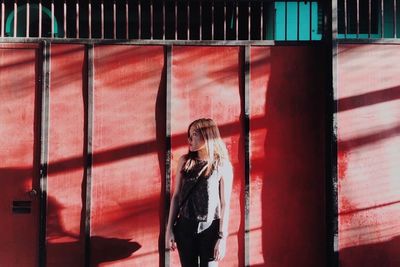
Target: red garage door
<point>368,155</point>
<point>211,89</point>
<point>128,155</point>
<point>19,143</point>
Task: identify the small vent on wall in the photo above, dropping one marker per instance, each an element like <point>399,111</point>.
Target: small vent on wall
<point>21,206</point>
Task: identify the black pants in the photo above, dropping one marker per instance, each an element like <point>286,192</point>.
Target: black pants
<point>193,245</point>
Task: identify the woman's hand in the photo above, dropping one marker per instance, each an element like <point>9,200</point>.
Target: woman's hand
<point>220,249</point>
<point>170,241</point>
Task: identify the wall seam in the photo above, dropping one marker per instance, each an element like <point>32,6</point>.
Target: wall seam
<point>89,49</point>
<point>167,199</point>
<point>44,147</point>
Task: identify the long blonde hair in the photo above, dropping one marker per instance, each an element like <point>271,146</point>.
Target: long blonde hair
<point>215,147</point>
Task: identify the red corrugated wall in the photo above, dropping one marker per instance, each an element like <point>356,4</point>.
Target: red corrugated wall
<point>368,155</point>
<point>205,83</point>
<point>128,158</point>
<point>19,161</point>
<point>65,232</point>
<point>287,133</point>
<point>287,119</point>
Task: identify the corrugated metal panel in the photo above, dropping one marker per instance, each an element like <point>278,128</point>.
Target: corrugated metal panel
<point>368,155</point>
<point>19,150</point>
<point>128,155</point>
<point>212,90</point>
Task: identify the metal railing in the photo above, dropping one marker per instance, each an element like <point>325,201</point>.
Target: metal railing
<point>163,19</point>
<point>368,19</point>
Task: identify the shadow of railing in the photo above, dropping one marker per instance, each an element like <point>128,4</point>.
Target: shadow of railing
<point>367,99</point>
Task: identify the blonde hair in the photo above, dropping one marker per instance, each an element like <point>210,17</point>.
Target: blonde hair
<point>215,147</point>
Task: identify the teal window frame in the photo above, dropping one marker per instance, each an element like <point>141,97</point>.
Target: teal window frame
<point>294,18</point>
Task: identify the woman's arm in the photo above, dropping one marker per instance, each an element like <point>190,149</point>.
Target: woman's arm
<point>225,195</point>
<point>173,209</point>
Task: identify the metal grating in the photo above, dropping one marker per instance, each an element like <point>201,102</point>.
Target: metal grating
<point>163,19</point>
<point>368,19</point>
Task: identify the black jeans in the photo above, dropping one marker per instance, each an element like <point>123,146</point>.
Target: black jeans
<point>193,245</point>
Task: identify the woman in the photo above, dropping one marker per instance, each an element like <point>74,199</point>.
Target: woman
<point>200,202</point>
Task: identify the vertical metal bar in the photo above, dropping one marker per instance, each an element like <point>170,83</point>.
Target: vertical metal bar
<point>298,20</point>
<point>246,74</point>
<point>127,20</point>
<point>77,18</point>
<point>382,21</point>
<point>2,18</point>
<point>188,19</point>
<point>52,18</point>
<point>102,18</point>
<point>332,160</point>
<point>237,20</point>
<point>394,19</point>
<point>224,20</point>
<point>249,21</point>
<point>44,145</point>
<point>274,25</point>
<point>40,18</point>
<point>89,148</point>
<point>369,18</point>
<point>27,18</point>
<point>262,20</point>
<point>65,18</point>
<point>90,18</point>
<point>311,20</point>
<point>212,19</point>
<point>114,20</point>
<point>358,17</point>
<point>286,20</point>
<point>201,20</point>
<point>168,62</point>
<point>331,137</point>
<point>163,20</point>
<point>345,18</point>
<point>176,19</point>
<point>15,17</point>
<point>139,19</point>
<point>151,20</point>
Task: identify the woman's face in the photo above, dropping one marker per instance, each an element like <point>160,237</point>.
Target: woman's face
<point>196,140</point>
